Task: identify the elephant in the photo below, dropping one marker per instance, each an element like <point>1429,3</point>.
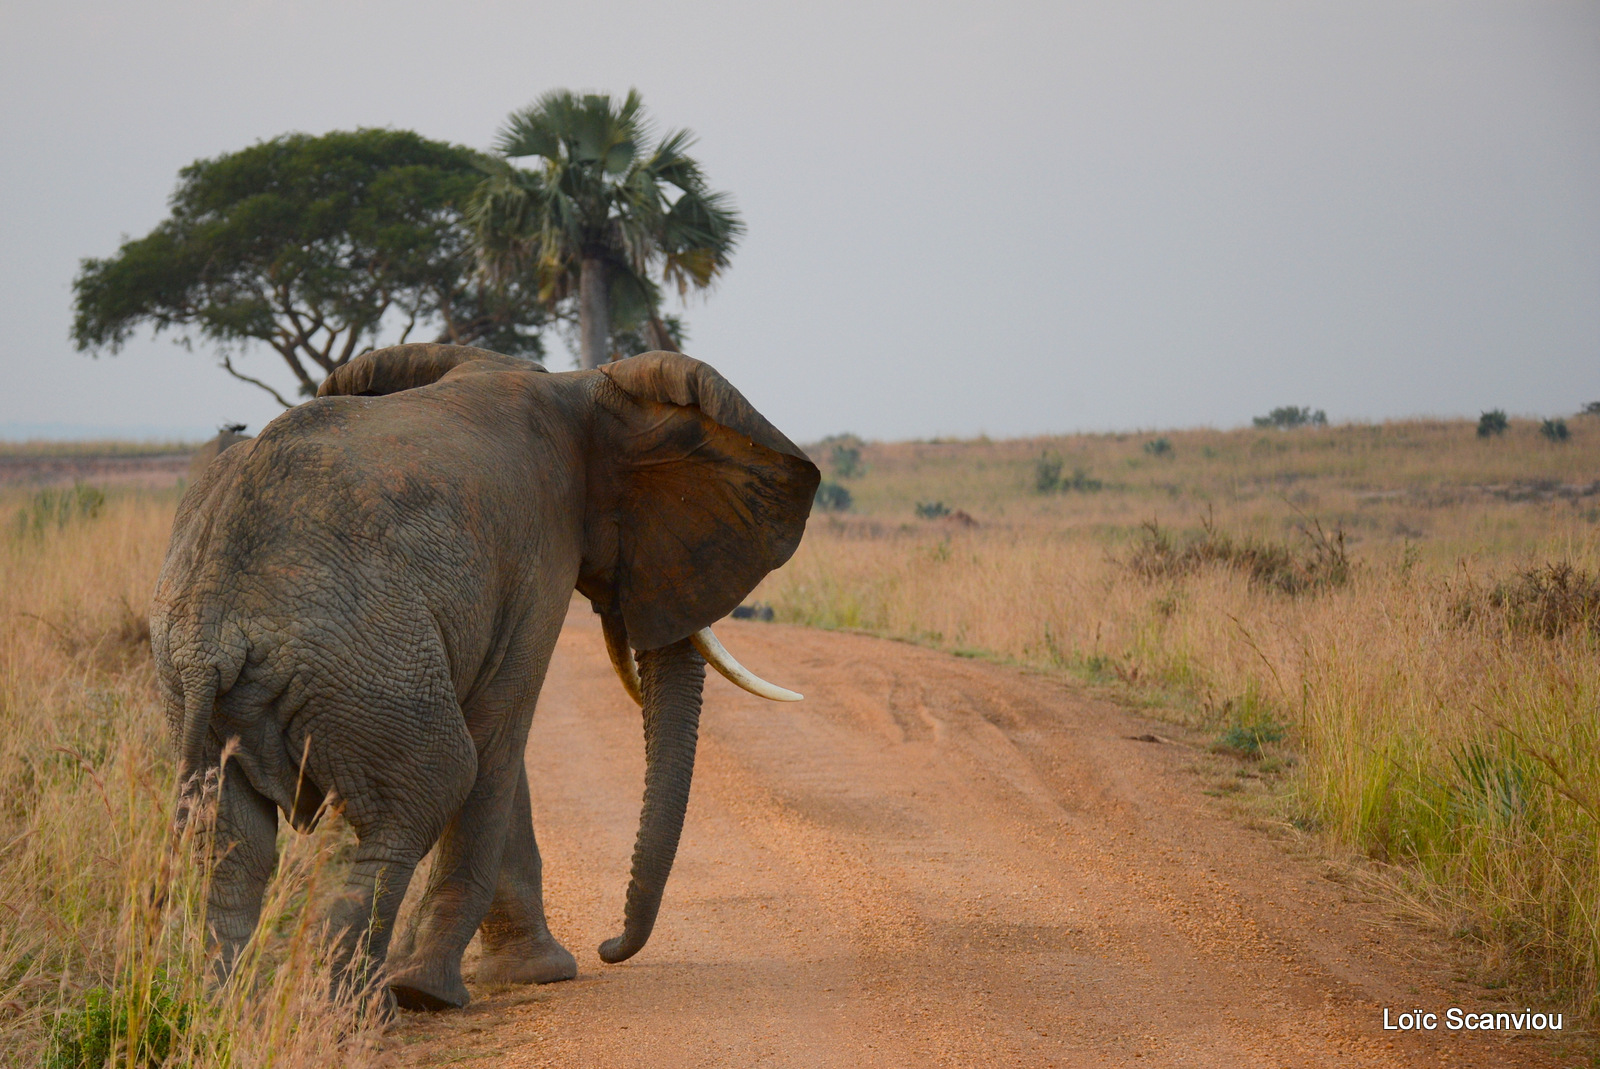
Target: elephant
<point>358,607</point>
<point>228,435</point>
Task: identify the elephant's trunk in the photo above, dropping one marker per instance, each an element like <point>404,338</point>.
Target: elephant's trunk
<point>671,679</point>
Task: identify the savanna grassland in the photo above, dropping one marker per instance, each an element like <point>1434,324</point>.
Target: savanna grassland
<point>101,956</point>
<point>1394,626</point>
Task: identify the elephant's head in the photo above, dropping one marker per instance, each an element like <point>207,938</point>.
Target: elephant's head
<point>692,497</point>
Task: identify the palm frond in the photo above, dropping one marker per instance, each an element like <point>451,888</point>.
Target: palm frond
<point>670,162</point>
<point>634,298</point>
<point>604,186</point>
<point>690,268</point>
<point>504,214</point>
<point>531,131</point>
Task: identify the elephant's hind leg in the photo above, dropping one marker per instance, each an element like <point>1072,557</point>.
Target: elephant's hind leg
<point>245,851</point>
<point>517,945</point>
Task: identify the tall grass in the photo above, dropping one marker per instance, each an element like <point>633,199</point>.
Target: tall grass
<point>102,959</point>
<point>1439,687</point>
<point>1440,695</point>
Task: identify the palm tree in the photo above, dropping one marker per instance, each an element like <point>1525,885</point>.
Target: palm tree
<point>600,214</point>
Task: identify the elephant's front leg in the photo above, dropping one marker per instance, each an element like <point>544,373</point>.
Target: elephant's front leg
<point>461,885</point>
<point>517,945</point>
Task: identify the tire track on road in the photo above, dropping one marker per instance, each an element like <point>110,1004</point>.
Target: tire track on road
<point>933,861</point>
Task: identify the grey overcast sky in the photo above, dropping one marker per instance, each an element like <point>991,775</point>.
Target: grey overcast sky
<point>1001,217</point>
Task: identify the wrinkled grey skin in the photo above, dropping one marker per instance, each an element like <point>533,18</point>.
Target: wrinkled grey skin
<point>362,603</point>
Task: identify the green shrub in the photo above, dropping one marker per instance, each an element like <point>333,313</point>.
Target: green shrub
<point>1046,475</point>
<point>53,509</point>
<point>1246,740</point>
<point>1322,562</point>
<point>1047,478</point>
<point>1492,423</point>
<point>1546,599</point>
<point>1290,416</point>
<point>1555,430</point>
<point>1492,786</point>
<point>1158,447</point>
<point>1082,481</point>
<point>932,510</point>
<point>846,462</point>
<point>1251,726</point>
<point>842,454</point>
<point>86,1037</point>
<point>831,497</point>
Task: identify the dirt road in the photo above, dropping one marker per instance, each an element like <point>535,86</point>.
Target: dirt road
<point>935,861</point>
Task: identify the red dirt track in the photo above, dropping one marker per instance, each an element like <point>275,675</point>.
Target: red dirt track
<point>934,861</point>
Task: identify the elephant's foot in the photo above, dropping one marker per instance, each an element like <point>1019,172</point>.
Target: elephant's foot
<point>527,963</point>
<point>431,986</point>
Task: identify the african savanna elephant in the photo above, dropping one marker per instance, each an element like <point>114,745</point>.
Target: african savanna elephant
<point>361,602</point>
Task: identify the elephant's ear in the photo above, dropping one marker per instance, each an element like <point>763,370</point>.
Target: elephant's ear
<point>405,367</point>
<point>693,497</point>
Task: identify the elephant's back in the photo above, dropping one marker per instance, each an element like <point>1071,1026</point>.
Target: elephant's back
<point>332,481</point>
<point>348,520</point>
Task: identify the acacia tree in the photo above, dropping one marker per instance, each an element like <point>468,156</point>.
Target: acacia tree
<point>601,216</point>
<point>311,245</point>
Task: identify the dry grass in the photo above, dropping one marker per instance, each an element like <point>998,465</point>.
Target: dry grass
<point>1412,607</point>
<point>101,955</point>
<point>88,448</point>
<point>1440,696</point>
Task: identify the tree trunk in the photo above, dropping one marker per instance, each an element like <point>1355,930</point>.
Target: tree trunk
<point>671,680</point>
<point>594,313</point>
<point>656,332</point>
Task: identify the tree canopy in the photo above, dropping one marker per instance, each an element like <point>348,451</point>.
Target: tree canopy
<point>602,216</point>
<point>312,245</point>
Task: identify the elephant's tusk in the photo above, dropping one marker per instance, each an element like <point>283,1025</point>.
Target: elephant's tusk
<point>737,674</point>
<point>622,657</point>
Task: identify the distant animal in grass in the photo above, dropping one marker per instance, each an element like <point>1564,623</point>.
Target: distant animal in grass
<point>228,436</point>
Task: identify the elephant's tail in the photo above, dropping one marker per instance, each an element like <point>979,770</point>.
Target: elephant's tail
<point>195,780</point>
